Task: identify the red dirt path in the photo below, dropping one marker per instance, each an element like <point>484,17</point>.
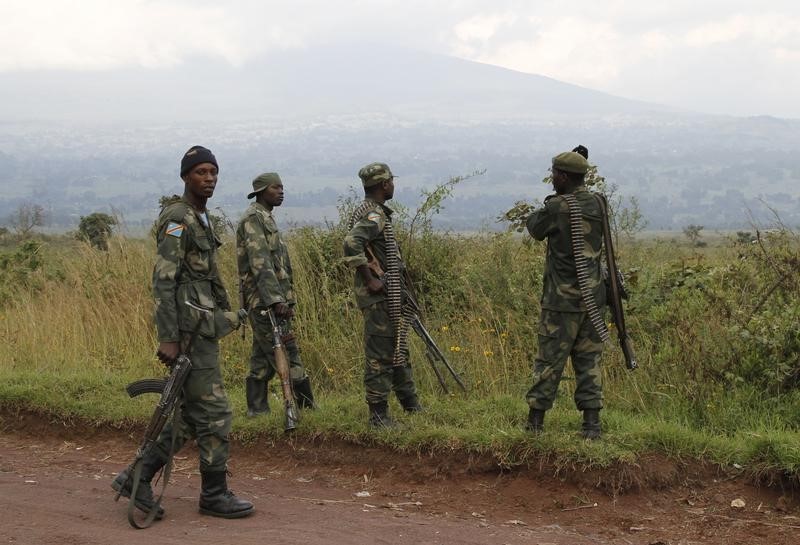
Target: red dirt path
<point>55,489</point>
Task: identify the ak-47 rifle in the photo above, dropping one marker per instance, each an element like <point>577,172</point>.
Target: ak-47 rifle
<point>170,389</point>
<point>282,368</point>
<point>432,352</point>
<point>616,289</point>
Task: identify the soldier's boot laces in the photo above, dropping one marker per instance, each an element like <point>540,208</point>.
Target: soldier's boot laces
<point>123,484</point>
<point>216,500</point>
<point>257,400</point>
<point>411,404</point>
<point>590,429</point>
<point>303,395</point>
<point>535,423</point>
<point>379,416</point>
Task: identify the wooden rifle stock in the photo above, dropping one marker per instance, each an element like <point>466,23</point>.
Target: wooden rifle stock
<point>282,368</point>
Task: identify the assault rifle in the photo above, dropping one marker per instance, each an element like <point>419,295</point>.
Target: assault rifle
<point>432,352</point>
<point>617,290</point>
<point>282,368</point>
<point>170,389</point>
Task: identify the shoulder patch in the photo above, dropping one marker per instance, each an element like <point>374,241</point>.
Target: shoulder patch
<point>175,229</point>
<point>374,217</point>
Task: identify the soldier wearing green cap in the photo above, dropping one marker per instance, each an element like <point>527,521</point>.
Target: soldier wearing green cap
<point>186,271</point>
<point>370,248</point>
<point>565,329</point>
<point>265,277</point>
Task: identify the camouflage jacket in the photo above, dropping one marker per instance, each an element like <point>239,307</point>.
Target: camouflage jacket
<point>560,291</point>
<point>265,271</point>
<point>367,230</point>
<point>185,270</point>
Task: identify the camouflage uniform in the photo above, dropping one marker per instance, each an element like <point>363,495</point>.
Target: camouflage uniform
<point>380,375</point>
<point>265,273</point>
<point>564,328</point>
<point>186,270</point>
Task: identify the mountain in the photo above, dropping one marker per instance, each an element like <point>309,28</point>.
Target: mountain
<point>111,141</point>
<point>345,79</point>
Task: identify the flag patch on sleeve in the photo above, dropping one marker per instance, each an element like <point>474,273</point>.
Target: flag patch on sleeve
<point>175,229</point>
<point>374,217</point>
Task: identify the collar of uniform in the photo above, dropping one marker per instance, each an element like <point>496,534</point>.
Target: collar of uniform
<point>198,213</point>
<point>386,209</point>
<point>260,206</point>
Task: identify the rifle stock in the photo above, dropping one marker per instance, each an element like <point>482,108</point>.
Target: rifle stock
<point>241,306</point>
<point>282,368</point>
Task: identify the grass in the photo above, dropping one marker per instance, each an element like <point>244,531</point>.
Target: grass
<point>715,353</point>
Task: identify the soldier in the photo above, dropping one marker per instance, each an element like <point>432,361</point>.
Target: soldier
<point>186,270</point>
<point>566,328</point>
<point>371,249</point>
<point>265,276</point>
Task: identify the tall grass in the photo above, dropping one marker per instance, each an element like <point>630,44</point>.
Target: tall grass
<point>715,330</point>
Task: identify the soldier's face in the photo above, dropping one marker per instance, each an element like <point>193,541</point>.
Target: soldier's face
<point>273,195</point>
<point>560,181</point>
<point>201,180</point>
<point>388,189</point>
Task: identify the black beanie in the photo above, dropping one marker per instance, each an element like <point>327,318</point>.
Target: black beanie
<point>196,155</point>
<point>582,150</point>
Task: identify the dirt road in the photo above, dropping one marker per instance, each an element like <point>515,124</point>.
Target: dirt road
<point>55,489</point>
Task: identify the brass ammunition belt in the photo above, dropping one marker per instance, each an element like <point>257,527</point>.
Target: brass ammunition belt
<point>582,266</point>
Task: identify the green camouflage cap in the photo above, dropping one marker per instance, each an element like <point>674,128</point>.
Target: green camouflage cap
<point>570,161</point>
<point>264,181</point>
<point>374,173</point>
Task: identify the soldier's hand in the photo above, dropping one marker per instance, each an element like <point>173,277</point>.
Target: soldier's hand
<point>375,286</point>
<point>282,310</point>
<point>168,352</point>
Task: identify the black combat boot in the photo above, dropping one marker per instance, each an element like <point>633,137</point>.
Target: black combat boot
<point>303,395</point>
<point>257,400</point>
<point>591,424</point>
<point>411,404</point>
<point>123,484</point>
<point>535,423</point>
<point>379,415</point>
<point>216,500</point>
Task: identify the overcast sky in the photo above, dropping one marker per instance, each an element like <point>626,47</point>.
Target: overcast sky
<point>717,56</point>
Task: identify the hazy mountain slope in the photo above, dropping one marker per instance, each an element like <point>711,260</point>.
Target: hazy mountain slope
<point>321,81</point>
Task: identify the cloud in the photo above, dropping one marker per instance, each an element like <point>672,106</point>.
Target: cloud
<point>578,50</point>
<point>678,52</point>
<point>96,35</point>
<point>711,60</point>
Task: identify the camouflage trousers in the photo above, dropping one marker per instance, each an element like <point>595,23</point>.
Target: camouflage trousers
<point>262,356</point>
<point>562,335</point>
<point>380,375</point>
<point>205,413</point>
